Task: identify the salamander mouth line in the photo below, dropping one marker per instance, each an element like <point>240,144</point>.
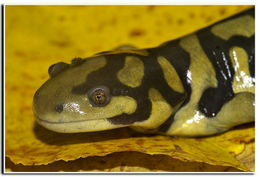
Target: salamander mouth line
<point>69,122</point>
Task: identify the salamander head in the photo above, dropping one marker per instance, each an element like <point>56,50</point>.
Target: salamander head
<point>83,96</point>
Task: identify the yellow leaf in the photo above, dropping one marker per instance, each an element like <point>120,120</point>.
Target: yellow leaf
<point>122,162</point>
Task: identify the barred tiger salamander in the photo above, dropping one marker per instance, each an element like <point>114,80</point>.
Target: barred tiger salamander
<point>200,84</point>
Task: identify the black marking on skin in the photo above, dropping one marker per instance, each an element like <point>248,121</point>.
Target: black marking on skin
<point>180,60</point>
<point>217,51</point>
<point>153,78</point>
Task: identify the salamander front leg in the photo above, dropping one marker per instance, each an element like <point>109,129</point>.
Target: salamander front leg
<point>189,121</point>
<point>240,110</point>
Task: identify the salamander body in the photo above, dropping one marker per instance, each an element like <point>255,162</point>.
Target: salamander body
<point>200,84</point>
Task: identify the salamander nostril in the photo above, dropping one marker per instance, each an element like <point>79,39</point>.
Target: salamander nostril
<point>59,108</point>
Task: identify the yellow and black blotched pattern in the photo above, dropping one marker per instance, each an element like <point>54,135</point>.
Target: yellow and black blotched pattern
<point>200,84</point>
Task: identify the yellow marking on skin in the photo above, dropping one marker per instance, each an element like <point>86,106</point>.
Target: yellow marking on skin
<point>242,82</point>
<point>81,110</point>
<point>244,26</point>
<point>170,74</point>
<point>132,73</point>
<point>201,75</point>
<point>161,110</point>
<point>82,126</point>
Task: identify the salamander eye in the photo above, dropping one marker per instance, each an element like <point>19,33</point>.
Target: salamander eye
<point>99,96</point>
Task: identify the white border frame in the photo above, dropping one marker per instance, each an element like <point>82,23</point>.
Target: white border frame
<point>130,2</point>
